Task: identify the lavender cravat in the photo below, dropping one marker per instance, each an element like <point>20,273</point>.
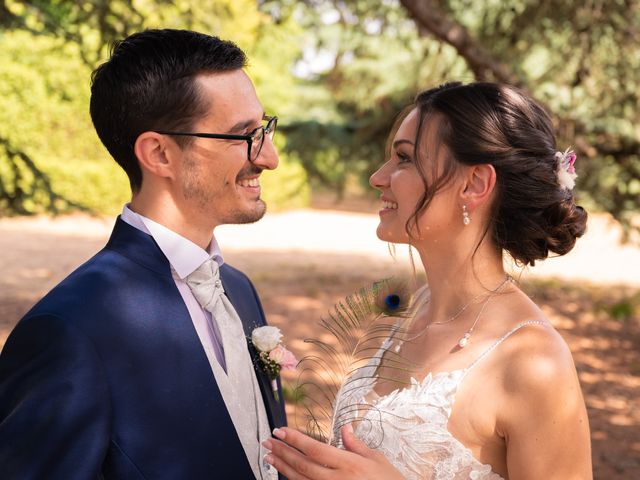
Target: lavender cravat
<point>206,286</point>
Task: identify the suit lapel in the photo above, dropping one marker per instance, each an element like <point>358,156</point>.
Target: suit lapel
<point>243,300</point>
<point>142,249</point>
<point>202,401</point>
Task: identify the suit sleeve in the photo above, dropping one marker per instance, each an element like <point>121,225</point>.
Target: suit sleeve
<point>54,407</point>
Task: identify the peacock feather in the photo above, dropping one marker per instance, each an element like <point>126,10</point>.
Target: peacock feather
<point>340,370</point>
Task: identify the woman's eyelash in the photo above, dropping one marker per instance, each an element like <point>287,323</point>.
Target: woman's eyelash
<point>402,157</point>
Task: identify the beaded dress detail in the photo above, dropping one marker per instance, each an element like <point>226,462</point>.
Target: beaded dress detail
<point>409,425</point>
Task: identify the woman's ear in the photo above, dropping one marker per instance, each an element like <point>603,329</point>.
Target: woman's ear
<point>480,181</point>
<point>155,152</point>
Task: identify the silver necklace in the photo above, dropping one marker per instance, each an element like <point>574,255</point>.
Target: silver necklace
<point>464,340</point>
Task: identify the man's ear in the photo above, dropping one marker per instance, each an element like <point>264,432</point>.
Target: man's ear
<point>480,181</point>
<point>156,153</point>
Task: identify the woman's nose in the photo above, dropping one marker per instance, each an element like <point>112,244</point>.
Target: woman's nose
<point>379,179</point>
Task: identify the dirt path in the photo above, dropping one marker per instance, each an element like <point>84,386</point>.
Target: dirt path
<point>303,262</point>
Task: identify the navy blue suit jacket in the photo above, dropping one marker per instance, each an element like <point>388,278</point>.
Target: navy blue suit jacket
<point>106,377</point>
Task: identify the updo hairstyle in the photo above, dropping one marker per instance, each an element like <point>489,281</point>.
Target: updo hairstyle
<point>486,123</point>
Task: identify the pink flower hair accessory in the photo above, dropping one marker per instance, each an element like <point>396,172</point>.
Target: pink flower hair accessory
<point>566,170</point>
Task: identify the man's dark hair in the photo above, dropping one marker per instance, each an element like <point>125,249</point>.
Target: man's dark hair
<point>148,83</point>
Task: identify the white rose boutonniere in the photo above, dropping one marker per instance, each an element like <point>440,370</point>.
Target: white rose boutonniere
<point>273,356</point>
<point>266,339</point>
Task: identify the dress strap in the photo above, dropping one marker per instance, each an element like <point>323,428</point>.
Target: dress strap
<point>502,339</point>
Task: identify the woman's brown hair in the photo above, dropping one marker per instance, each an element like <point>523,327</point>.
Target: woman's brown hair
<point>486,123</point>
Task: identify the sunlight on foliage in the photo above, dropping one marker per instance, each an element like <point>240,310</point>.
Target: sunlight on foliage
<point>44,95</point>
<point>336,73</point>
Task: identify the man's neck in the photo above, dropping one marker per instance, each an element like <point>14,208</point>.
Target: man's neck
<point>165,212</point>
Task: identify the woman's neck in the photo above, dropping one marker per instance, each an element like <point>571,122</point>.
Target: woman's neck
<point>458,276</point>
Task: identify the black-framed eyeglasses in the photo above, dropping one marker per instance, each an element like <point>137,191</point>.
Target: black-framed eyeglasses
<point>254,139</point>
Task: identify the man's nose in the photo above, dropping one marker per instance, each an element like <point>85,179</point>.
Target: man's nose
<point>268,157</point>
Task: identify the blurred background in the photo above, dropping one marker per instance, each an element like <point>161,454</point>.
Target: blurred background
<point>336,73</point>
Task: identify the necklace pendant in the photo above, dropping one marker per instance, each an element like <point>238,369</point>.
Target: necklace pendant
<point>464,340</point>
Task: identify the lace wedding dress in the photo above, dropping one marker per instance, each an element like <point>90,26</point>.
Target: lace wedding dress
<point>409,425</point>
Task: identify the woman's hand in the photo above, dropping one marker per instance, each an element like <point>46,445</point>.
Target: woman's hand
<point>299,457</point>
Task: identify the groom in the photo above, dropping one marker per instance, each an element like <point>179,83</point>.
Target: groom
<point>137,366</point>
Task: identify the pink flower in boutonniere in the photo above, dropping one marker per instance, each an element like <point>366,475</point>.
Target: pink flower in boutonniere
<point>284,358</point>
<point>273,356</point>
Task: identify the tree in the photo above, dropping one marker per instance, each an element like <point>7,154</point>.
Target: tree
<point>579,58</point>
<point>589,76</point>
<point>374,66</point>
<point>54,161</point>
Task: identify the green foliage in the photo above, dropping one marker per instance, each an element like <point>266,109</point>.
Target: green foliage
<point>623,309</point>
<point>50,157</point>
<point>44,95</point>
<point>580,58</point>
<point>583,61</point>
<point>376,65</point>
<point>285,187</point>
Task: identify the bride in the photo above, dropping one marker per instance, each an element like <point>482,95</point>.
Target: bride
<point>473,172</point>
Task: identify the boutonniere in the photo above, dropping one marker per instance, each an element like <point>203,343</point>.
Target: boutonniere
<point>273,356</point>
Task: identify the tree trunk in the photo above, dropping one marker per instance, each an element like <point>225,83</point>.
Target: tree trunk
<point>429,17</point>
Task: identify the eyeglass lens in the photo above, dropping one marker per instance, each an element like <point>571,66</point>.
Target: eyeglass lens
<point>258,138</point>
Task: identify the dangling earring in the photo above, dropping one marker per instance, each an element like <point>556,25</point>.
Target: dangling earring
<point>465,216</point>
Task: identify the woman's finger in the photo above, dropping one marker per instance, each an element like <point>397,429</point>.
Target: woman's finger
<point>319,452</point>
<point>285,469</point>
<point>354,444</point>
<point>292,463</point>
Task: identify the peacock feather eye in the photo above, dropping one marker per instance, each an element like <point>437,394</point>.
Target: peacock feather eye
<point>392,301</point>
<point>352,332</point>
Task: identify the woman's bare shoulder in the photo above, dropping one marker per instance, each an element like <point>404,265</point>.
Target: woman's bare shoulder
<point>537,358</point>
<point>541,407</point>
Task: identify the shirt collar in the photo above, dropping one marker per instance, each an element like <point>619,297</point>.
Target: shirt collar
<point>183,255</point>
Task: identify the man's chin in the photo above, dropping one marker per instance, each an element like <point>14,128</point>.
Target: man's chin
<point>250,215</point>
